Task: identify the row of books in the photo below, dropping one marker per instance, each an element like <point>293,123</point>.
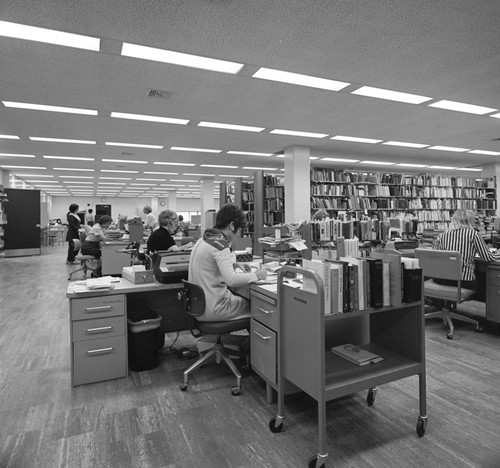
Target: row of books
<point>274,192</point>
<point>356,284</point>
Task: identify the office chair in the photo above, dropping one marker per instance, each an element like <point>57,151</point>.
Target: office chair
<point>83,259</point>
<point>193,301</point>
<point>445,264</point>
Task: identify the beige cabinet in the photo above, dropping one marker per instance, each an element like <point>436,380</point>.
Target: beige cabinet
<point>98,339</point>
<point>493,293</point>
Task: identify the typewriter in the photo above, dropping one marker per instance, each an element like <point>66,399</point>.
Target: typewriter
<point>170,267</point>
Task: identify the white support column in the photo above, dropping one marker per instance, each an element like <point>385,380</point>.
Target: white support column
<point>207,203</point>
<point>297,184</point>
<point>154,205</point>
<point>172,200</point>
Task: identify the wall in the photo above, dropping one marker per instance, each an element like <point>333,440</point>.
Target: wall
<point>120,205</point>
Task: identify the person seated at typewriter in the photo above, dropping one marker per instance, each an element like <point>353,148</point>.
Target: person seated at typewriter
<point>92,243</point>
<point>161,239</point>
<point>463,237</point>
<point>212,266</point>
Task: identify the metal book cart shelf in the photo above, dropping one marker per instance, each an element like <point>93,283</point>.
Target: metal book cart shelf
<point>396,333</point>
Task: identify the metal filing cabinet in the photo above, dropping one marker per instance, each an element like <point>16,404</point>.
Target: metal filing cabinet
<point>493,293</point>
<point>98,339</point>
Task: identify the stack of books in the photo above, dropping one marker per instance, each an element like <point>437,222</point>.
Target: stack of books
<point>356,355</point>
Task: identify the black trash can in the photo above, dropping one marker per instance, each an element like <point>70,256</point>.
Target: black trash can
<point>143,339</point>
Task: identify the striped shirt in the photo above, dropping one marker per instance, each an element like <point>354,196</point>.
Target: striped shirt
<point>469,243</point>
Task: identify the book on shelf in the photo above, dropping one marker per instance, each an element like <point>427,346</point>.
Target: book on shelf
<point>356,354</point>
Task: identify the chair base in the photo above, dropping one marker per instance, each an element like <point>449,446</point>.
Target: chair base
<point>447,316</point>
<point>220,355</point>
<point>85,267</point>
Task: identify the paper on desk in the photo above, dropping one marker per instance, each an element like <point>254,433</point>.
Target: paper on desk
<point>297,245</point>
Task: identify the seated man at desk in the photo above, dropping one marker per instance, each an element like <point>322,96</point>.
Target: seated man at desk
<point>462,237</point>
<point>162,239</point>
<point>92,243</point>
<point>212,266</point>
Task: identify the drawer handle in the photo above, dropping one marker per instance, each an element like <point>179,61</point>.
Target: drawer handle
<point>262,336</point>
<point>98,309</point>
<point>265,311</point>
<point>97,351</point>
<point>99,329</point>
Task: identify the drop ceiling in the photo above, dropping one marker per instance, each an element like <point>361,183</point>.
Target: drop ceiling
<point>446,50</point>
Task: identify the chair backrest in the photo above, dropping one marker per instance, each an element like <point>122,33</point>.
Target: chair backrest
<point>194,299</point>
<point>440,264</point>
<point>78,244</point>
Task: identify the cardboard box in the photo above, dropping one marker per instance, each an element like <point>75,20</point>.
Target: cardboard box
<point>138,276</point>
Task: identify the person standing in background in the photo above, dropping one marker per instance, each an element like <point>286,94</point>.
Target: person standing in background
<point>73,227</point>
<point>151,221</point>
<point>89,217</point>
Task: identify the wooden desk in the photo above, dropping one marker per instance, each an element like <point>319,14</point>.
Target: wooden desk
<point>98,326</point>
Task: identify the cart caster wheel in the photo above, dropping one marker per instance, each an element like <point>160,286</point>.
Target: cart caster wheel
<point>421,425</point>
<point>313,462</point>
<point>370,398</point>
<point>275,427</point>
<point>479,329</point>
<point>184,387</point>
<point>236,391</point>
<point>449,336</point>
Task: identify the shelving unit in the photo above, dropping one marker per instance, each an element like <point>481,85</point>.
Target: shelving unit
<point>431,198</point>
<point>244,198</point>
<point>3,220</point>
<point>396,333</point>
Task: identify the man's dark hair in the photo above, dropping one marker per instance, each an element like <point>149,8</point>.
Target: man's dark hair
<point>73,208</point>
<point>230,214</point>
<point>105,219</point>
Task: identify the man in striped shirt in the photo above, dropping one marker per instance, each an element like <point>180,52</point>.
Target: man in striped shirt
<point>462,237</point>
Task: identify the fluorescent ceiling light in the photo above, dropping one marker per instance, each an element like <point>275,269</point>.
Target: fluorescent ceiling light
<point>115,178</point>
<point>197,150</point>
<point>49,36</point>
<point>468,169</point>
<point>77,177</point>
<point>404,144</point>
<point>41,181</point>
<point>10,137</point>
<point>440,167</point>
<point>313,157</point>
<point>162,173</point>
<point>448,148</point>
<point>152,180</point>
<point>260,168</point>
<point>111,183</point>
<point>497,116</point>
<point>12,155</point>
<point>149,118</point>
<point>233,175</point>
<point>461,107</point>
<point>72,169</point>
<point>390,95</point>
<point>183,180</point>
<point>377,163</point>
<point>141,184</point>
<point>131,161</point>
<point>178,58</point>
<point>411,165</point>
<point>23,167</point>
<point>278,131</point>
<point>171,185</point>
<point>298,79</point>
<point>200,175</point>
<point>249,153</point>
<point>75,182</point>
<point>32,175</point>
<point>340,160</point>
<point>174,164</point>
<point>69,158</point>
<point>133,145</point>
<point>121,172</point>
<point>63,140</point>
<point>488,153</point>
<point>242,128</point>
<point>355,139</point>
<point>216,165</point>
<point>66,110</point>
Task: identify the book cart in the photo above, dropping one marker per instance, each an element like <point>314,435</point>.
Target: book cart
<point>395,333</point>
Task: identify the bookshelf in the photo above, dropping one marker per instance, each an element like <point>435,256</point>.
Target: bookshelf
<point>244,198</point>
<point>430,198</point>
<point>3,220</point>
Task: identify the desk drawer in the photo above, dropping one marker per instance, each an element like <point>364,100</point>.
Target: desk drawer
<point>493,277</point>
<point>98,328</point>
<point>265,310</point>
<point>99,359</point>
<point>97,307</point>
<point>263,352</point>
